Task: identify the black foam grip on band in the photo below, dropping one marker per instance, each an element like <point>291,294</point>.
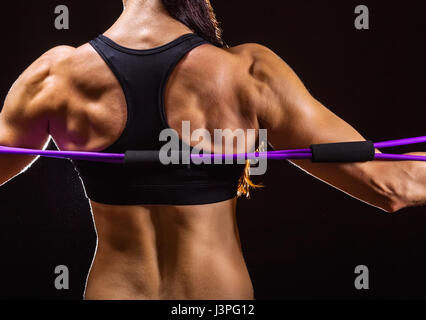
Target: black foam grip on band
<point>141,157</point>
<point>343,152</point>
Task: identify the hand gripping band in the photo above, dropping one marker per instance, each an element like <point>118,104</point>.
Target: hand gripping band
<point>343,152</point>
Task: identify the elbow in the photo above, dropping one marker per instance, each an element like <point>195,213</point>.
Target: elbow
<point>393,205</point>
<point>398,186</point>
<point>393,196</point>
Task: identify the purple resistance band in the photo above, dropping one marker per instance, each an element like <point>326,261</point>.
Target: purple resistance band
<point>271,155</point>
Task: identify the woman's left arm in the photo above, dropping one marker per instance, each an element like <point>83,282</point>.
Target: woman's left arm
<point>294,119</point>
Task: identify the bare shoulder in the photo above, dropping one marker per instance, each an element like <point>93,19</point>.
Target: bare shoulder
<point>56,53</point>
<point>239,81</point>
<point>48,83</point>
<point>24,117</point>
<point>210,78</point>
<point>206,61</point>
<point>265,64</point>
<point>252,49</point>
<point>272,88</point>
<point>84,68</point>
<point>32,92</point>
<point>225,65</point>
<point>44,66</point>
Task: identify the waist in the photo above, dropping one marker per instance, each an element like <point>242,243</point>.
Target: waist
<point>195,275</point>
<point>168,252</point>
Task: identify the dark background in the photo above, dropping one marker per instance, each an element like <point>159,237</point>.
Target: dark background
<point>301,238</point>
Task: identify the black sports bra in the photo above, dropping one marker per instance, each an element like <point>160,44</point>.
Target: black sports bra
<point>143,75</point>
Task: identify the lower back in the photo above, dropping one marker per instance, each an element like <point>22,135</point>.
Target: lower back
<point>166,252</point>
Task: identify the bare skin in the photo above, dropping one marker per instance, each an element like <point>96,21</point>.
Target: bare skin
<point>183,252</point>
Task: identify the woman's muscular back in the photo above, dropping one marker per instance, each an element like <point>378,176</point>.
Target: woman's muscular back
<point>159,251</point>
<point>206,88</point>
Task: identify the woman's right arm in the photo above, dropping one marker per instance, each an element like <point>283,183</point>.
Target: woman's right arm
<point>294,119</point>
